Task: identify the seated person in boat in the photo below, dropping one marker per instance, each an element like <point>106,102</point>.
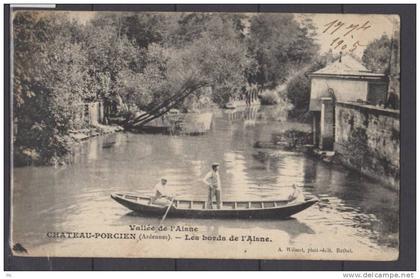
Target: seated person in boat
<point>212,180</point>
<point>162,196</point>
<point>296,195</point>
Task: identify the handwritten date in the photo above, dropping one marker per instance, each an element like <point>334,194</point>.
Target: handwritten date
<point>341,30</point>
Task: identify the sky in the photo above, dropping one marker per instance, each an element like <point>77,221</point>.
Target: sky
<point>364,29</point>
<point>369,28</point>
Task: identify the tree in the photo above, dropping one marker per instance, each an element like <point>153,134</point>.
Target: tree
<point>150,61</point>
<point>280,45</point>
<point>190,27</point>
<point>110,52</point>
<point>145,29</point>
<point>50,79</point>
<point>210,53</point>
<point>218,57</point>
<point>299,87</point>
<point>377,55</point>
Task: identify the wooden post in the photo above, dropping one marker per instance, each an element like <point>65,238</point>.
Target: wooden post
<point>327,124</point>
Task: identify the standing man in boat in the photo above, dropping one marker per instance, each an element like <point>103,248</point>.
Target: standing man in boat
<point>212,180</point>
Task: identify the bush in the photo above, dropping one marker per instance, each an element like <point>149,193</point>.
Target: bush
<point>270,97</point>
<point>299,87</point>
<point>298,92</point>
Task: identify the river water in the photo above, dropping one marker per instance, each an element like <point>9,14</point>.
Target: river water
<point>353,213</point>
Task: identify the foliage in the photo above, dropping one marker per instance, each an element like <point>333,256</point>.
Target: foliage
<point>211,54</point>
<point>109,53</point>
<point>269,97</point>
<point>221,63</point>
<point>299,87</point>
<point>145,29</point>
<point>294,137</point>
<point>377,54</point>
<point>299,91</point>
<point>144,60</point>
<point>50,79</point>
<point>279,44</point>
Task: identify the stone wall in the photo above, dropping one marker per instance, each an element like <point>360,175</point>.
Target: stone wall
<point>367,138</point>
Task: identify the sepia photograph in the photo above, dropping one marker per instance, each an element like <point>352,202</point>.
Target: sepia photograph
<point>205,135</point>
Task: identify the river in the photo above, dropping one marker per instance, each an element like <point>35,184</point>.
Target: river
<point>353,212</point>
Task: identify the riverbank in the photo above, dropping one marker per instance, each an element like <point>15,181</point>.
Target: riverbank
<point>94,131</point>
<point>26,156</point>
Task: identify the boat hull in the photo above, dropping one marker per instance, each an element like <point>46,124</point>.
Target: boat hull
<point>276,212</point>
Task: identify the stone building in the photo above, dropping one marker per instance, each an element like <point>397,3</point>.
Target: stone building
<point>345,80</point>
<point>349,118</point>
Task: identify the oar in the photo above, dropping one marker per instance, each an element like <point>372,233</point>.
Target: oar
<point>166,213</point>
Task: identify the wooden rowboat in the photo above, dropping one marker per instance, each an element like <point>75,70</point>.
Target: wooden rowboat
<point>274,209</point>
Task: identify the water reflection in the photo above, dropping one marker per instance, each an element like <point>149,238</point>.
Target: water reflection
<point>352,209</point>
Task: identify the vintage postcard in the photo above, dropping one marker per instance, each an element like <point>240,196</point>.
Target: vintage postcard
<point>205,135</point>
